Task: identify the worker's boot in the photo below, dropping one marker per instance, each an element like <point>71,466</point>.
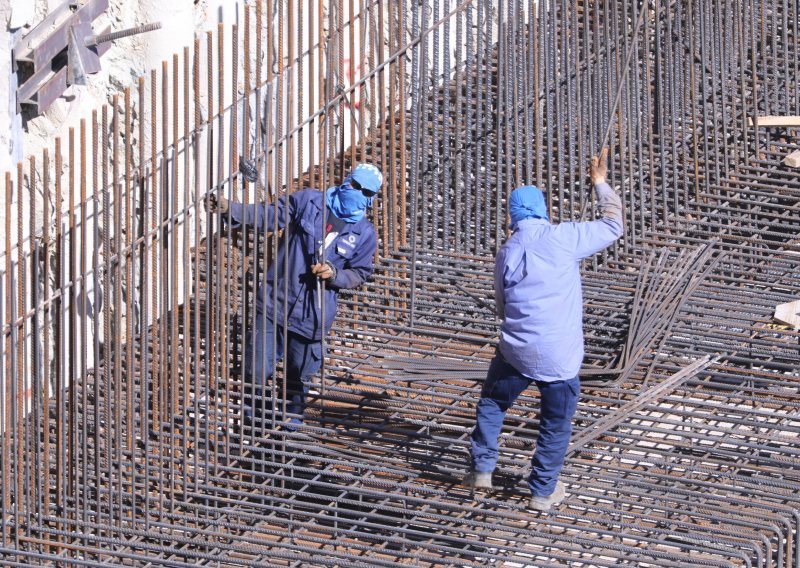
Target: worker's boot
<point>478,480</point>
<point>543,503</point>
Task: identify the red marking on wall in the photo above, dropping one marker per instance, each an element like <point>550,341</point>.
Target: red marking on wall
<point>352,74</point>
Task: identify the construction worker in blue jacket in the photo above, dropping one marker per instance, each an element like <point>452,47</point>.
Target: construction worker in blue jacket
<point>539,300</point>
<point>291,305</point>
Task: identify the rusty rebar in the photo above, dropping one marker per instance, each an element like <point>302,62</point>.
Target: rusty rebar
<point>686,438</point>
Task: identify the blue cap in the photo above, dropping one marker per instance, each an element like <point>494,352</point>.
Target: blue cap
<point>527,202</point>
<point>368,177</point>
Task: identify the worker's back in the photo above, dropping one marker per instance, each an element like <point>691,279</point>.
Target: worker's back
<point>538,293</point>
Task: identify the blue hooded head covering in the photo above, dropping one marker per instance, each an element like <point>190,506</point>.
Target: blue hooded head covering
<point>368,177</point>
<point>350,204</point>
<point>526,202</point>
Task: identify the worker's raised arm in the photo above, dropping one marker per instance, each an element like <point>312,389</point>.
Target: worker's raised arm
<point>608,201</point>
<point>261,216</point>
<point>593,236</point>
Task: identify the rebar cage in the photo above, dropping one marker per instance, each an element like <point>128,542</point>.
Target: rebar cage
<point>124,304</point>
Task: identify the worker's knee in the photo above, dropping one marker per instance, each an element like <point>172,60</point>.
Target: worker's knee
<point>498,392</point>
<point>559,400</point>
<point>503,383</point>
<point>262,351</point>
<point>304,358</point>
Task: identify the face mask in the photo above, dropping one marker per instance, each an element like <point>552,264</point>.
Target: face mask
<point>348,204</point>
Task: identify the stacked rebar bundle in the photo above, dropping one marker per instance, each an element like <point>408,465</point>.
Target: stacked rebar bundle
<point>124,304</point>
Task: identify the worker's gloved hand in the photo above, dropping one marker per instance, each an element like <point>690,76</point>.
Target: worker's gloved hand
<point>324,271</point>
<point>249,169</point>
<point>598,168</point>
<point>216,203</point>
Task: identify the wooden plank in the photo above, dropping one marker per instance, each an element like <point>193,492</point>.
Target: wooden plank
<point>788,313</point>
<point>770,121</point>
<point>793,159</point>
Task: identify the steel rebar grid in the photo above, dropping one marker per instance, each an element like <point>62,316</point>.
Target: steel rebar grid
<point>148,461</point>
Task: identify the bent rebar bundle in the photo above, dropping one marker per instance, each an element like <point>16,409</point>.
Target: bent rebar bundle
<point>124,304</point>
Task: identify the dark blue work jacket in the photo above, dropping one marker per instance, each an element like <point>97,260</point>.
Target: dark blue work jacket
<point>350,253</point>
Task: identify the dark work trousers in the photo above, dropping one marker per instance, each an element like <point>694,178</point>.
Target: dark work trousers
<point>558,403</point>
<point>263,349</point>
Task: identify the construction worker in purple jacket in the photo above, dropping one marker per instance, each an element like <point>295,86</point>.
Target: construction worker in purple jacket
<point>539,300</point>
<point>292,305</point>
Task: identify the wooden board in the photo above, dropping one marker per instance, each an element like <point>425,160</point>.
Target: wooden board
<point>776,121</point>
<point>793,159</point>
<point>788,313</point>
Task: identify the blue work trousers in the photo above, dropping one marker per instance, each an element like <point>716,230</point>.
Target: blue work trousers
<point>559,401</point>
<point>263,349</point>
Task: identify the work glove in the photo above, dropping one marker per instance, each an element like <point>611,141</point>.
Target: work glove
<point>216,203</point>
<point>324,271</point>
<point>249,169</point>
<point>598,168</point>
